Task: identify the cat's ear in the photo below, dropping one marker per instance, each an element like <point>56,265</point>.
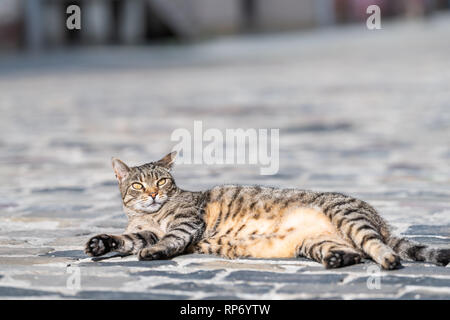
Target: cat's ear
<point>168,161</point>
<point>120,169</point>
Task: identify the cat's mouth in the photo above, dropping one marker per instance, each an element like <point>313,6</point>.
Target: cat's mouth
<point>151,207</point>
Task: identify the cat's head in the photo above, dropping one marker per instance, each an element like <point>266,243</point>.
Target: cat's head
<point>146,188</point>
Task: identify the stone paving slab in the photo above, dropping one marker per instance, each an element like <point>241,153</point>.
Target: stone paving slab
<point>361,112</point>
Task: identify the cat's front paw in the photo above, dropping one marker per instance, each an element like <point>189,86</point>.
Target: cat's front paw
<point>100,244</point>
<point>151,254</point>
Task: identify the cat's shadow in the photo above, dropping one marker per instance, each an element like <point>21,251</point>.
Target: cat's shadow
<point>106,257</point>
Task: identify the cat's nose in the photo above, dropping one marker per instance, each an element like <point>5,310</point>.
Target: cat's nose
<point>153,194</point>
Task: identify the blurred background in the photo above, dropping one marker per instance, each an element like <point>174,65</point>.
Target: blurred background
<point>347,100</point>
<point>36,24</point>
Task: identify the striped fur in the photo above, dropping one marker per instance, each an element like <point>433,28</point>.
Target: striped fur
<point>250,221</point>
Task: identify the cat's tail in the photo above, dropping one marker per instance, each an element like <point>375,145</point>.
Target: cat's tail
<point>410,250</point>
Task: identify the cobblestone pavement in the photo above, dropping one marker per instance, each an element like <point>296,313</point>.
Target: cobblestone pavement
<point>361,112</point>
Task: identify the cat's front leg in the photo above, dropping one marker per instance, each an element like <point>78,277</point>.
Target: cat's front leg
<point>182,232</point>
<point>129,243</point>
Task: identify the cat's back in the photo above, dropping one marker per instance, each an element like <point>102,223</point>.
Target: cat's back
<point>233,200</point>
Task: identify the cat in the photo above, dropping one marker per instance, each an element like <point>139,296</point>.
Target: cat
<point>250,221</point>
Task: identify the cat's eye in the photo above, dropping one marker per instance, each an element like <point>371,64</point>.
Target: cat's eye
<point>137,186</point>
<point>161,182</point>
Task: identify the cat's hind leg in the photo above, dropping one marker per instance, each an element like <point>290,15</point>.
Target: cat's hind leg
<point>329,250</point>
<point>365,234</point>
<point>359,223</point>
<point>372,244</point>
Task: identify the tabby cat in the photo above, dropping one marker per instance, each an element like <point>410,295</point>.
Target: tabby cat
<point>250,221</point>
